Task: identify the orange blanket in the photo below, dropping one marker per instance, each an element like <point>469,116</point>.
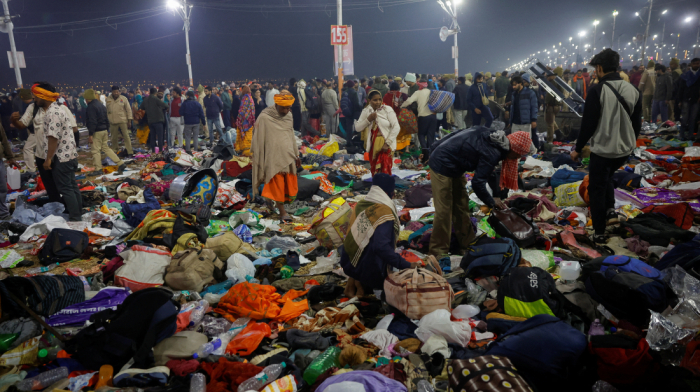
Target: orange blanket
<point>261,302</point>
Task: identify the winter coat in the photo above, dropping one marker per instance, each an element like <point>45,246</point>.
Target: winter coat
<point>501,86</point>
<point>226,100</point>
<point>460,92</point>
<point>119,110</point>
<point>664,88</point>
<point>96,117</point>
<point>154,108</point>
<point>192,111</point>
<point>476,91</point>
<point>213,106</point>
<point>527,106</point>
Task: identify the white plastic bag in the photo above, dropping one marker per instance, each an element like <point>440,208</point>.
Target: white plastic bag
<point>238,267</point>
<point>465,311</point>
<point>438,323</point>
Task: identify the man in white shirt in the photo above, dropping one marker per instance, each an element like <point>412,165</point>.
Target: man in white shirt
<point>29,122</point>
<point>270,95</point>
<point>427,120</point>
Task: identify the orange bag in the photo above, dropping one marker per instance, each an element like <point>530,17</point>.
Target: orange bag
<point>248,340</point>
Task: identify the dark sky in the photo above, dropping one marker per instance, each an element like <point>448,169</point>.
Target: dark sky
<point>234,45</point>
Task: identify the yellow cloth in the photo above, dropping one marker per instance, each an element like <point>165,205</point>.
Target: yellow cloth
<point>284,99</point>
<point>142,134</point>
<point>243,142</point>
<point>46,95</point>
<point>186,241</point>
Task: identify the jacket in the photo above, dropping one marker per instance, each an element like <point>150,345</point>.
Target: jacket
<point>96,117</point>
<point>501,86</point>
<point>635,78</point>
<point>476,91</point>
<point>450,85</point>
<point>664,88</point>
<point>381,87</point>
<point>551,100</point>
<point>192,111</point>
<point>226,100</point>
<point>421,99</point>
<point>648,81</point>
<point>527,106</point>
<point>118,111</point>
<point>235,107</point>
<point>613,134</point>
<point>387,122</point>
<point>689,86</point>
<point>460,92</point>
<point>154,108</point>
<point>329,100</point>
<point>213,106</point>
<point>469,150</point>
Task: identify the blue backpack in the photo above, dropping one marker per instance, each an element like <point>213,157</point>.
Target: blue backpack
<point>135,212</point>
<point>490,257</point>
<point>628,264</point>
<point>564,176</point>
<point>523,345</point>
<point>686,255</point>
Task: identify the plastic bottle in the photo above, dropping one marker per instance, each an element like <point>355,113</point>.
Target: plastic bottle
<point>424,386</point>
<point>321,363</point>
<point>207,348</point>
<point>198,383</point>
<point>6,340</point>
<point>43,380</point>
<point>48,354</point>
<point>596,328</point>
<point>268,375</point>
<point>384,322</point>
<point>39,270</point>
<point>106,375</point>
<point>198,313</point>
<point>226,337</point>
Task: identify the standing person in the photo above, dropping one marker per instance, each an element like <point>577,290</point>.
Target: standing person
<point>383,126</point>
<point>270,95</point>
<point>612,129</point>
<point>379,86</point>
<point>488,80</point>
<point>301,97</point>
<point>410,80</point>
<point>259,103</point>
<point>523,109</point>
<point>427,120</point>
<point>59,149</point>
<point>204,130</point>
<point>552,105</point>
<point>138,97</point>
<point>176,123</point>
<point>361,93</point>
<point>245,123</point>
<point>119,116</point>
<point>636,75</point>
<point>476,150</point>
<point>6,153</point>
<point>579,84</point>
<point>296,106</point>
<point>275,154</point>
<point>394,99</point>
<point>623,75</point>
<point>663,92</point>
<point>460,105</point>
<point>646,86</point>
<point>235,104</point>
<point>212,108</point>
<point>193,114</point>
<point>673,110</point>
<point>477,102</point>
<point>329,101</point>
<point>97,123</point>
<point>689,96</point>
<point>501,87</point>
<point>5,114</point>
<point>226,100</point>
<point>351,110</point>
<point>27,117</point>
<point>81,106</point>
<point>154,107</point>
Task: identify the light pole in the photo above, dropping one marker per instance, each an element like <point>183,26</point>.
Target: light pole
<point>579,60</point>
<point>568,52</point>
<point>451,8</point>
<point>612,40</point>
<point>185,11</point>
<point>339,4</point>
<point>663,34</point>
<point>595,31</point>
<point>6,27</point>
<point>646,34</point>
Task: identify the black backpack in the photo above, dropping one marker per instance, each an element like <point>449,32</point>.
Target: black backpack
<point>128,332</point>
<point>313,101</point>
<point>529,291</point>
<point>63,245</point>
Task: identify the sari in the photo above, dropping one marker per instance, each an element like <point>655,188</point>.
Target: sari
<point>395,99</point>
<point>245,124</point>
<point>380,161</point>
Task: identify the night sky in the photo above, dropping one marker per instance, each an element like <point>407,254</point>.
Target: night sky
<point>234,45</point>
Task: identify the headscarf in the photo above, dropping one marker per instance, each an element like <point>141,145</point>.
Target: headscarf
<point>46,95</point>
<point>246,114</point>
<point>520,143</point>
<point>349,84</point>
<point>284,100</point>
<point>386,182</point>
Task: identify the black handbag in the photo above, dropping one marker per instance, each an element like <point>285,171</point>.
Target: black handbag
<point>514,225</point>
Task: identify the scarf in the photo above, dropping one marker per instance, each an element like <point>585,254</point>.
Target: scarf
<point>520,143</point>
<point>246,114</point>
<point>273,147</point>
<point>46,95</point>
<point>375,209</point>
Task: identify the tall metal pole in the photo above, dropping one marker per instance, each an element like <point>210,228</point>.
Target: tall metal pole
<point>663,34</point>
<point>595,32</point>
<point>697,41</point>
<point>13,48</point>
<point>340,53</point>
<point>612,40</point>
<point>678,42</point>
<point>188,11</point>
<point>456,47</point>
<point>646,34</point>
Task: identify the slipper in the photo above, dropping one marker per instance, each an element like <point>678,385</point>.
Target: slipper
<point>286,218</point>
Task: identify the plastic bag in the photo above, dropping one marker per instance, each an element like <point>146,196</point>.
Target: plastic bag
<point>246,217</point>
<point>664,334</point>
<point>214,326</point>
<point>10,258</point>
<point>243,232</point>
<point>484,227</point>
<point>217,226</point>
<point>249,339</point>
<point>684,285</point>
<point>438,323</point>
<point>284,384</point>
<point>465,311</point>
<point>325,264</point>
<point>321,363</point>
<point>24,354</point>
<point>238,267</point>
<point>538,258</point>
<point>568,195</point>
<point>283,243</point>
<point>53,208</point>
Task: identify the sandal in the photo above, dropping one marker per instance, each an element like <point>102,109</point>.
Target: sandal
<point>286,218</point>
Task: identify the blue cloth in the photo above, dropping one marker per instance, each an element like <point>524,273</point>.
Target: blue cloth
<point>476,91</point>
<point>262,261</point>
<point>524,109</point>
<point>243,232</point>
<point>192,111</point>
<point>213,106</point>
<point>402,327</point>
<point>371,269</point>
<point>371,381</point>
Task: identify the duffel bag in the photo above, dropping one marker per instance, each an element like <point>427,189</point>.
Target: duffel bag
<point>63,245</point>
<point>490,257</point>
<point>621,359</point>
<point>513,225</point>
<point>568,195</point>
<point>192,268</point>
<point>408,122</point>
<point>530,291</point>
<point>418,196</point>
<point>417,292</point>
<point>485,373</point>
<point>330,229</point>
<point>440,101</point>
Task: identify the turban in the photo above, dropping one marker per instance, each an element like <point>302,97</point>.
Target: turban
<point>487,75</point>
<point>520,143</point>
<point>46,95</point>
<point>675,61</point>
<point>284,100</point>
<point>25,93</point>
<point>89,94</point>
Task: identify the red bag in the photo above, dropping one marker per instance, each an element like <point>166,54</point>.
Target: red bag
<point>233,169</point>
<point>621,365</point>
<point>681,212</point>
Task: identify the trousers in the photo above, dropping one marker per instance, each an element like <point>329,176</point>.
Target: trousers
<point>659,108</point>
<point>64,177</point>
<point>123,131</point>
<point>601,190</point>
<point>191,133</point>
<point>176,126</point>
<point>28,151</point>
<point>451,203</point>
<point>99,146</point>
<point>485,114</point>
<point>550,118</point>
<point>155,137</point>
<point>459,119</point>
<point>427,126</point>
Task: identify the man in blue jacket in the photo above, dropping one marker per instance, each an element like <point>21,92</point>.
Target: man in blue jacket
<point>192,112</point>
<point>476,150</point>
<point>476,106</point>
<point>213,107</point>
<point>523,108</point>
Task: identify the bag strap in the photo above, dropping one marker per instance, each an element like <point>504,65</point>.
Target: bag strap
<point>620,99</point>
<point>483,95</point>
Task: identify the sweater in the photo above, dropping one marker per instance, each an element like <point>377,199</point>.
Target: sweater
<point>154,108</point>
<point>96,117</point>
<point>460,92</point>
<point>213,106</point>
<point>664,88</point>
<point>501,86</point>
<point>192,111</point>
<point>476,91</point>
<point>421,98</point>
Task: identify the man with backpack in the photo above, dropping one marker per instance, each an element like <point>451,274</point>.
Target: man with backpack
<point>427,120</point>
<point>612,120</point>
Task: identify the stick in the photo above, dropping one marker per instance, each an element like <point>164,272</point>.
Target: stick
<point>37,318</point>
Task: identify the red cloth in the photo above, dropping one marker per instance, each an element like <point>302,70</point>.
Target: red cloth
<point>623,366</point>
<point>175,107</point>
<point>181,367</point>
<point>228,375</point>
<point>520,143</point>
<point>681,212</point>
<point>394,99</point>
<point>379,162</point>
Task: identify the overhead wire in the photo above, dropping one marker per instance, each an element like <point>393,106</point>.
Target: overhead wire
<point>103,49</point>
<point>322,7</point>
<point>107,21</point>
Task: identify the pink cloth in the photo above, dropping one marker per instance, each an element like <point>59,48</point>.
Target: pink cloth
<point>637,245</point>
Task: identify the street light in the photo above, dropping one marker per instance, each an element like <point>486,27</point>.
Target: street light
<point>595,31</point>
<point>451,9</point>
<point>185,11</point>
<point>613,32</point>
<point>663,34</point>
<point>6,26</point>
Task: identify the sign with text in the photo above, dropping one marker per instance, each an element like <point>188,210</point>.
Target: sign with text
<point>348,62</point>
<point>20,58</point>
<point>339,35</point>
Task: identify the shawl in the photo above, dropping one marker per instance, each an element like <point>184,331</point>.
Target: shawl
<point>387,121</point>
<point>375,209</point>
<point>520,143</point>
<point>273,147</point>
<point>246,114</point>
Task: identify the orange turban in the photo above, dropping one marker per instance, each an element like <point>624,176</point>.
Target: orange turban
<point>284,99</point>
<point>46,95</point>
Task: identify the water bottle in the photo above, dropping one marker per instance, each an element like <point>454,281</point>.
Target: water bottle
<point>207,348</point>
<point>43,380</point>
<point>384,322</point>
<point>424,386</point>
<point>48,354</point>
<point>40,270</point>
<point>226,337</point>
<point>198,313</point>
<point>198,383</point>
<point>106,376</point>
<point>268,375</point>
<point>596,328</point>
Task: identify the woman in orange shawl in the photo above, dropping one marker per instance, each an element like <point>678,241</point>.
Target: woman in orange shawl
<point>245,122</point>
<point>394,99</point>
